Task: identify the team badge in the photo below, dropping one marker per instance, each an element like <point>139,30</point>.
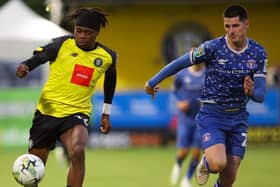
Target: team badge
<point>98,62</point>
<point>251,64</point>
<point>74,54</point>
<point>198,52</point>
<point>206,137</point>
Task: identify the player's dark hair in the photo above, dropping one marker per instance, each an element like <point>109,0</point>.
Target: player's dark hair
<point>90,17</point>
<point>236,11</point>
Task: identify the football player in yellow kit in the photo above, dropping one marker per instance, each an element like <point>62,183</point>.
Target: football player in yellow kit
<point>76,63</point>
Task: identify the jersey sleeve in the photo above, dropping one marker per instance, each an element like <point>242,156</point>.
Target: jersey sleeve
<point>45,53</point>
<point>262,64</point>
<point>260,77</point>
<point>110,80</point>
<point>202,53</point>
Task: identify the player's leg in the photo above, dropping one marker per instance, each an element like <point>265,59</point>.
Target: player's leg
<point>41,137</point>
<point>213,161</point>
<point>61,154</point>
<point>213,143</point>
<point>194,162</point>
<point>183,144</point>
<point>236,145</point>
<point>177,167</point>
<point>228,175</point>
<point>185,182</point>
<point>42,153</point>
<point>216,159</point>
<point>75,140</point>
<point>196,151</point>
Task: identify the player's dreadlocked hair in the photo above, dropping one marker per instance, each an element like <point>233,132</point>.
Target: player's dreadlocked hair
<point>92,18</point>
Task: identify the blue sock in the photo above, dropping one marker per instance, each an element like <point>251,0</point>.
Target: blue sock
<point>206,164</point>
<point>179,161</point>
<point>217,184</point>
<point>191,169</point>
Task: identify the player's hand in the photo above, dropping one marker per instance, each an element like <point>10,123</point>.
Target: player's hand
<point>150,90</point>
<point>183,106</point>
<point>22,70</point>
<point>105,124</point>
<point>248,85</point>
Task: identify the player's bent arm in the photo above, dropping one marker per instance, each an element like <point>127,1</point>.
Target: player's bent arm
<point>109,91</point>
<point>259,89</point>
<point>109,85</point>
<point>35,61</point>
<point>46,53</point>
<point>170,69</point>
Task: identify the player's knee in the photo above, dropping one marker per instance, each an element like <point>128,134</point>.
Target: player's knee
<point>217,165</point>
<point>77,153</point>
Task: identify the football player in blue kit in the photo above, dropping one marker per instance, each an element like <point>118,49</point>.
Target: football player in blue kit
<point>187,88</point>
<point>235,73</point>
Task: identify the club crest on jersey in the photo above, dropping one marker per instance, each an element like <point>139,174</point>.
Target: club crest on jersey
<point>98,62</point>
<point>198,52</point>
<point>251,64</point>
<point>206,137</point>
<point>74,54</point>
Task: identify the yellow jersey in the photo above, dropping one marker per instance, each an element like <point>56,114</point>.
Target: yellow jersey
<point>73,76</point>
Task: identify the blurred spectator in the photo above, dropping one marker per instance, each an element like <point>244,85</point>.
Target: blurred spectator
<point>273,76</point>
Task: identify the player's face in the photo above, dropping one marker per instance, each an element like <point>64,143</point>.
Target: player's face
<point>85,37</point>
<point>236,30</point>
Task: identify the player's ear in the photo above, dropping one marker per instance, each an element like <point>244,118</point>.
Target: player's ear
<point>246,22</point>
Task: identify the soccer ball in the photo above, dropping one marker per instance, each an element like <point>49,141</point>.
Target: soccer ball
<point>28,169</point>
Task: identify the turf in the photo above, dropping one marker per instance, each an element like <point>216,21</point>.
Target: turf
<point>145,167</point>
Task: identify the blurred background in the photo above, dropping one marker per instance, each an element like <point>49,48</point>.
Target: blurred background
<point>146,34</point>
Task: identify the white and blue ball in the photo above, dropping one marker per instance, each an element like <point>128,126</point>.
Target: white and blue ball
<point>28,169</point>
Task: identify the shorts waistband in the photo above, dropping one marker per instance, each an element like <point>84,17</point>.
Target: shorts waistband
<point>223,108</point>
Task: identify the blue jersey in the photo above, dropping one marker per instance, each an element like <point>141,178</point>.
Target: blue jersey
<point>226,69</point>
<point>187,86</point>
<point>223,117</point>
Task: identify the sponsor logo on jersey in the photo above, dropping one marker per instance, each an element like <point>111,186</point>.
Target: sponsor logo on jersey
<point>82,75</point>
<point>232,71</point>
<point>98,62</point>
<point>251,64</point>
<point>222,61</point>
<point>198,52</point>
<point>74,54</point>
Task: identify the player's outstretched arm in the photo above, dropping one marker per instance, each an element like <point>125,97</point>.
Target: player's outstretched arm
<point>173,67</point>
<point>170,69</point>
<point>22,70</point>
<point>150,90</point>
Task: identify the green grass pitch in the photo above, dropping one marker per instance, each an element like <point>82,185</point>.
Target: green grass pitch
<point>145,167</point>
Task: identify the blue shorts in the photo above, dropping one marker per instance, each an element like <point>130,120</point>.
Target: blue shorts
<point>217,126</point>
<point>187,134</point>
